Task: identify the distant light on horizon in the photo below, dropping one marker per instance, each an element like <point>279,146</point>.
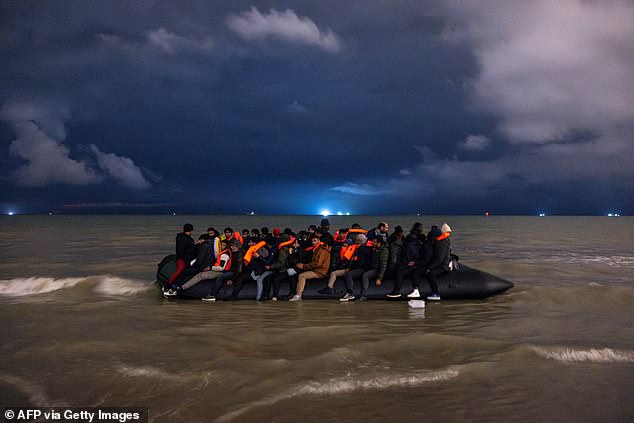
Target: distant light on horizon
<point>325,212</point>
<point>542,214</point>
<point>613,215</point>
<point>10,213</point>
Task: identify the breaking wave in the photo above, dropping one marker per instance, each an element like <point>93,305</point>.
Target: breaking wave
<point>605,355</point>
<point>346,385</point>
<point>37,285</point>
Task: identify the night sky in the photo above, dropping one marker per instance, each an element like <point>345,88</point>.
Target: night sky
<point>367,107</point>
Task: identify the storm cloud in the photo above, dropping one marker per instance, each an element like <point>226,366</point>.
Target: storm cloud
<point>294,107</point>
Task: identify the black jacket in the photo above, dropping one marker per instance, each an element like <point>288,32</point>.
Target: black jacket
<point>205,256</point>
<point>185,247</point>
<point>442,254</point>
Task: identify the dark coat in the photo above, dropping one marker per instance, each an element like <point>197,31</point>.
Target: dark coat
<point>185,247</point>
<point>442,255</point>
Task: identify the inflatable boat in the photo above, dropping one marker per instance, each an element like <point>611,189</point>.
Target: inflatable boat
<point>463,283</point>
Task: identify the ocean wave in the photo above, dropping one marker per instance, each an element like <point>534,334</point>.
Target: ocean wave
<point>22,287</point>
<point>37,285</point>
<point>345,385</point>
<point>35,393</point>
<point>115,286</point>
<point>148,372</point>
<point>568,355</point>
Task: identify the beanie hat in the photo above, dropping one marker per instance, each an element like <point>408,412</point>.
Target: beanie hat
<point>361,238</point>
<point>276,231</point>
<point>445,228</point>
<point>325,222</point>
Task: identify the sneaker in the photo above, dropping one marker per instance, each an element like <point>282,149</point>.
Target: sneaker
<point>326,290</point>
<point>208,297</point>
<point>414,294</point>
<point>394,295</point>
<point>362,298</point>
<point>170,293</point>
<point>274,299</point>
<point>295,298</point>
<point>347,297</point>
<point>434,297</point>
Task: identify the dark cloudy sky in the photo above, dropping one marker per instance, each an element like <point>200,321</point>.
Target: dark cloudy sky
<point>370,107</point>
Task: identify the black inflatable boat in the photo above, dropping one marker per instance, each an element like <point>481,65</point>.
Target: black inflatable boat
<point>463,283</point>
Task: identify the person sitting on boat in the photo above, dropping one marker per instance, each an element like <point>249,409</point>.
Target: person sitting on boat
<point>425,257</point>
<point>357,266</point>
<point>252,265</point>
<point>230,235</point>
<point>377,266</point>
<point>185,253</point>
<point>324,229</point>
<point>440,261</point>
<point>355,230</point>
<point>380,231</point>
<point>317,268</point>
<point>279,267</point>
<point>204,259</point>
<point>213,270</point>
<point>232,269</point>
<point>395,244</point>
<point>409,258</point>
<point>340,255</point>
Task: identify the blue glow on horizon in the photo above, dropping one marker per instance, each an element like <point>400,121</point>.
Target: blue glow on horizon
<point>325,212</point>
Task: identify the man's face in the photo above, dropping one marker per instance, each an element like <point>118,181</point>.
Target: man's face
<point>384,229</point>
<point>315,241</point>
<point>228,234</point>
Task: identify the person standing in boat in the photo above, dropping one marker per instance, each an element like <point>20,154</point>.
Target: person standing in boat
<point>425,257</point>
<point>440,262</point>
<point>317,268</point>
<point>409,258</point>
<point>185,252</point>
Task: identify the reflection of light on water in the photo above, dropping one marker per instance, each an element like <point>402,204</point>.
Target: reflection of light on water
<point>417,313</point>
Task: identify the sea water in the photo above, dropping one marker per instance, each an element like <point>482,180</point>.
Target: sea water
<point>82,325</point>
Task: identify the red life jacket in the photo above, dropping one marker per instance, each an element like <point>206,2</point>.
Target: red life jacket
<point>228,263</point>
<point>249,254</point>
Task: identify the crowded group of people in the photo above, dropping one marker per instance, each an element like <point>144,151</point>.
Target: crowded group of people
<point>277,258</point>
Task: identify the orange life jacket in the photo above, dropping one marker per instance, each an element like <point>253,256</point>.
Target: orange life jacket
<point>358,231</point>
<point>286,244</point>
<point>228,263</point>
<point>443,236</point>
<point>237,236</point>
<point>347,252</point>
<point>249,254</point>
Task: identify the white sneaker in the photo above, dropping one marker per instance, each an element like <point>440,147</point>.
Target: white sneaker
<point>414,294</point>
<point>434,297</point>
<point>347,297</point>
<point>170,293</point>
<point>295,298</point>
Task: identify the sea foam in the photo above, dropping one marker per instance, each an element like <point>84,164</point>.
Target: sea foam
<point>38,285</point>
<point>568,355</point>
<point>344,385</point>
